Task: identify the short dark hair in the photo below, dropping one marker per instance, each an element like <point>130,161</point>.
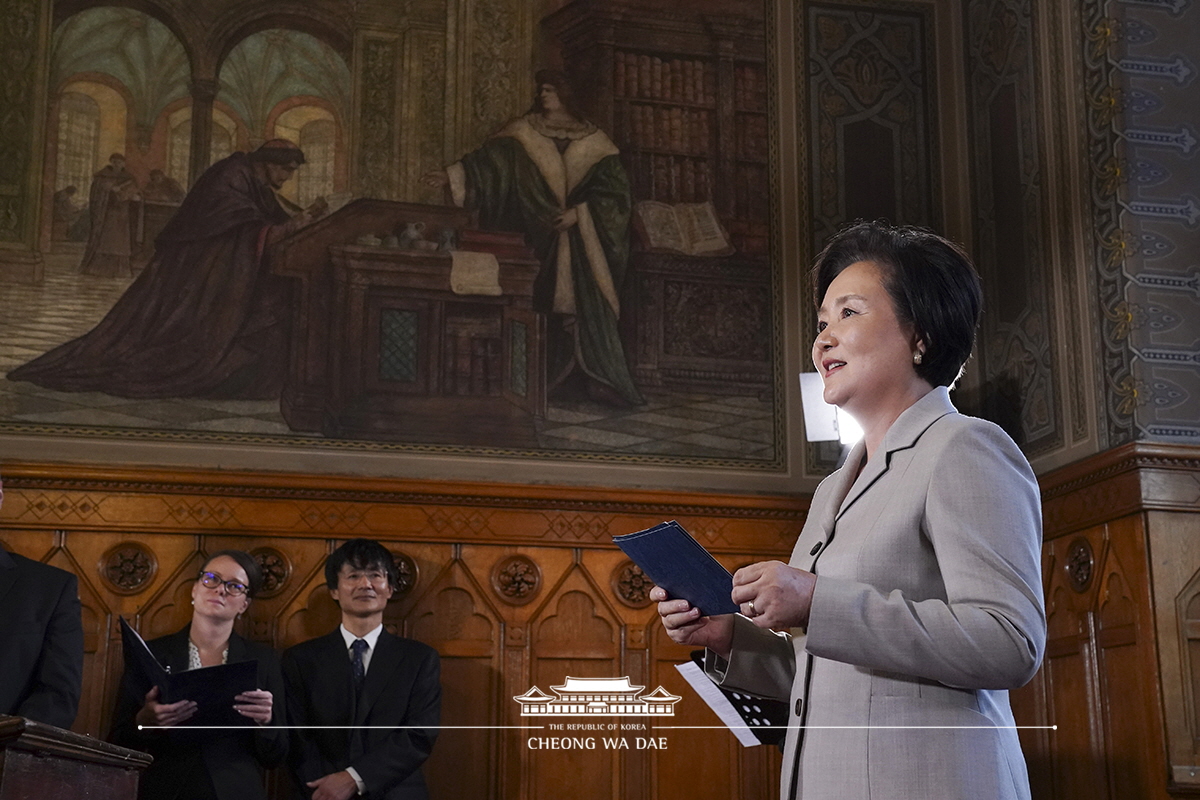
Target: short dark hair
<point>361,554</point>
<point>931,281</point>
<point>246,561</point>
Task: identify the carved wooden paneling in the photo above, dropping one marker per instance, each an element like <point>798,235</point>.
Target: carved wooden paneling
<point>455,617</point>
<point>1117,561</point>
<point>564,615</point>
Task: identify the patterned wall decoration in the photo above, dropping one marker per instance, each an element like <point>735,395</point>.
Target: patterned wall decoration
<point>870,103</point>
<point>427,85</point>
<point>1141,87</point>
<point>20,34</point>
<point>376,162</point>
<point>496,58</point>
<point>1019,389</point>
<point>127,567</point>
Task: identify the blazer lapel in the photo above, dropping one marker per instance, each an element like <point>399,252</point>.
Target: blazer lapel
<point>384,661</point>
<point>237,649</point>
<point>903,434</point>
<point>333,683</point>
<point>174,650</point>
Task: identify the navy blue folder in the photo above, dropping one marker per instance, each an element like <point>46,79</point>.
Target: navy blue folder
<point>212,688</point>
<point>678,563</point>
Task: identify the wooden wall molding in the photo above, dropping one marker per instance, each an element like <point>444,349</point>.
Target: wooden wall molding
<point>84,497</point>
<point>1129,479</point>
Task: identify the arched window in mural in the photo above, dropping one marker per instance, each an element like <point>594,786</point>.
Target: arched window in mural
<point>179,143</point>
<point>179,149</point>
<point>78,141</point>
<point>222,143</point>
<point>317,140</point>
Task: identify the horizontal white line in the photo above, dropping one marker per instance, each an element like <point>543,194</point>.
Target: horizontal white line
<point>343,727</point>
<point>862,727</point>
<point>653,728</point>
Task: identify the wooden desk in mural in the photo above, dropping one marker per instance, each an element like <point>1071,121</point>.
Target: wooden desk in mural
<point>383,347</point>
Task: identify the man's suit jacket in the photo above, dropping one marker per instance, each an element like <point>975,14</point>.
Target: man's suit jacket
<point>41,641</point>
<point>186,761</point>
<point>402,688</point>
<point>927,608</point>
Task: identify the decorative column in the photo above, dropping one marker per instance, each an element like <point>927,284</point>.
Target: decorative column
<point>24,56</point>
<point>203,90</point>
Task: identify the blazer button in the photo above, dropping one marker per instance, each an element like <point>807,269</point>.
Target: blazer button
<point>799,706</point>
<point>816,548</point>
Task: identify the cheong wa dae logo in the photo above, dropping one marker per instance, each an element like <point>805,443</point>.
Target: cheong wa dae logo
<point>597,697</point>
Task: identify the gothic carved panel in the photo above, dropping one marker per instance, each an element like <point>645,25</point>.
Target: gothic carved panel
<point>128,567</point>
<point>276,569</point>
<point>1020,387</point>
<point>631,585</point>
<point>406,569</point>
<point>1080,564</point>
<point>516,579</point>
<point>871,77</point>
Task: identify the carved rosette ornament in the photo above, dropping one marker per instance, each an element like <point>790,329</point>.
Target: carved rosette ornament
<point>631,586</point>
<point>407,570</point>
<point>275,567</point>
<point>1080,565</point>
<point>516,579</point>
<point>128,567</point>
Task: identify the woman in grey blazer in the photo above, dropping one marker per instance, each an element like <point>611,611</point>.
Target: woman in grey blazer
<point>913,598</point>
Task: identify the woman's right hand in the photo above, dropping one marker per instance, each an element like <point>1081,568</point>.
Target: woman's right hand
<point>436,178</point>
<point>685,625</point>
<point>163,715</point>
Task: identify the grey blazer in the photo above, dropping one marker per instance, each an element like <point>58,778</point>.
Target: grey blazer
<point>927,608</point>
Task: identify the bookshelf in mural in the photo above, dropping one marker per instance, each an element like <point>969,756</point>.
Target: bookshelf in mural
<point>685,97</point>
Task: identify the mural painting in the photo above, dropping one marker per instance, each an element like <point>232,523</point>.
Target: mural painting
<point>271,223</point>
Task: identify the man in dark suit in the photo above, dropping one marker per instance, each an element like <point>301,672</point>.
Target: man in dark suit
<point>41,640</point>
<point>384,687</point>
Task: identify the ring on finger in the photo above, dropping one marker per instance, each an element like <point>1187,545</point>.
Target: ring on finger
<point>753,610</point>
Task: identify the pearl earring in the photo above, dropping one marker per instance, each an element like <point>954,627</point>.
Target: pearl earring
<point>916,358</point>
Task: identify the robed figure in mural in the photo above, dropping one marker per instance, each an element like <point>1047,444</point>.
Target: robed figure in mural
<point>206,317</point>
<point>110,242</point>
<point>558,178</point>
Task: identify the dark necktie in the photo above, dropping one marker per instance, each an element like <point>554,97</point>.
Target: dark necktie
<point>359,648</point>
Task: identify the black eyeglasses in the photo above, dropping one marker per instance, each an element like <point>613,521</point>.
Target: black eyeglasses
<point>212,580</point>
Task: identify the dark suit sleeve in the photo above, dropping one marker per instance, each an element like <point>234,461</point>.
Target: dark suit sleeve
<point>304,755</point>
<point>271,741</point>
<point>58,679</point>
<point>405,749</point>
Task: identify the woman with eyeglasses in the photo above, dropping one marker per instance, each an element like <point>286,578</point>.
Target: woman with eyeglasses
<point>208,764</point>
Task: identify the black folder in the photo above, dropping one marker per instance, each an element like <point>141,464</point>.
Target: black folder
<point>211,688</point>
<point>678,563</point>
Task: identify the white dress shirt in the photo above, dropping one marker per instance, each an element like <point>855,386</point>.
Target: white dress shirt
<point>371,638</point>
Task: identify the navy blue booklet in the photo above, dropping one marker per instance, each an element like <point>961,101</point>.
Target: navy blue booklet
<point>678,563</point>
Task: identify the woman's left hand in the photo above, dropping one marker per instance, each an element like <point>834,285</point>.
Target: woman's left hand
<point>566,219</point>
<point>774,595</point>
<point>256,705</point>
